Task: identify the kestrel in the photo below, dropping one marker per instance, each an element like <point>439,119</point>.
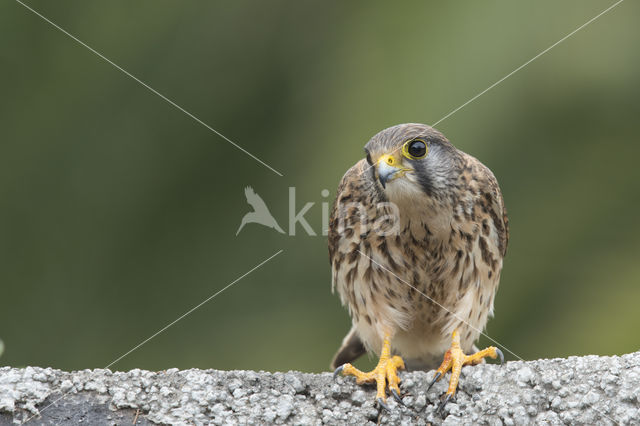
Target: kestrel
<point>417,237</point>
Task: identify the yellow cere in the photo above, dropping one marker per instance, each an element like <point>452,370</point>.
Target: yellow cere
<point>389,159</point>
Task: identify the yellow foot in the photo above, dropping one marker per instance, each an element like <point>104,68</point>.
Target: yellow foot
<point>454,359</point>
<point>385,375</point>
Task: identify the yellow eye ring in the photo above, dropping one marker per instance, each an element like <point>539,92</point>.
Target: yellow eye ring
<point>415,149</point>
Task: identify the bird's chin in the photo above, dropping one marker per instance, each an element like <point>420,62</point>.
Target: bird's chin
<point>401,188</point>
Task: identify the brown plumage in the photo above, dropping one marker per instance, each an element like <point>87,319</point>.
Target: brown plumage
<point>416,246</point>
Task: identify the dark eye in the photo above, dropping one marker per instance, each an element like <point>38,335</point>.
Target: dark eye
<point>415,149</point>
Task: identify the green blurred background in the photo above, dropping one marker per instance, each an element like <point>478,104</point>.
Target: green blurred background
<point>118,212</point>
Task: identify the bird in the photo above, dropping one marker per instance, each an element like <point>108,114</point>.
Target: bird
<point>417,237</point>
<point>260,213</point>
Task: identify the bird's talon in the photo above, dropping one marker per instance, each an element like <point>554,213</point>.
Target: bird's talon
<point>382,404</point>
<point>338,371</point>
<point>455,359</point>
<point>443,402</point>
<point>435,379</point>
<point>397,397</point>
<point>501,355</point>
<point>384,375</point>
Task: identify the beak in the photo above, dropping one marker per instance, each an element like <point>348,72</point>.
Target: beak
<point>388,166</point>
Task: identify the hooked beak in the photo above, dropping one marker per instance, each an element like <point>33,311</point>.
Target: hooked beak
<point>388,167</point>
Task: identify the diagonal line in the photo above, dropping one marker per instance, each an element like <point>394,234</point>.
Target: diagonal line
<point>462,320</point>
<point>443,307</point>
<point>193,309</point>
<point>151,89</point>
<point>527,63</point>
<point>166,327</point>
<point>516,70</point>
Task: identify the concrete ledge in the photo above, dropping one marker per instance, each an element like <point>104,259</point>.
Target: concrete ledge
<point>577,390</point>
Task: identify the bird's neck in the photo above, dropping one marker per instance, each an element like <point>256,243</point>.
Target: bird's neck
<point>426,218</point>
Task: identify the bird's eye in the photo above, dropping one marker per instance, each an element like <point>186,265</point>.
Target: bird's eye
<point>415,149</point>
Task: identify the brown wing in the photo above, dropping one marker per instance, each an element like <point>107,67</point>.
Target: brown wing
<point>349,190</point>
<point>499,213</point>
<point>505,219</point>
<point>354,182</point>
<point>492,201</point>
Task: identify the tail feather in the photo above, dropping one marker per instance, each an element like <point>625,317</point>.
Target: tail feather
<point>351,349</point>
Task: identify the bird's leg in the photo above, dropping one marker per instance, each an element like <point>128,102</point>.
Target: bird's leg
<point>385,374</point>
<point>454,360</point>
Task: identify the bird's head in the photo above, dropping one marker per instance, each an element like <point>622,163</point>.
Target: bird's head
<point>412,159</point>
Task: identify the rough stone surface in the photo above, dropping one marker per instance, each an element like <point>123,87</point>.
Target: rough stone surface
<point>578,390</point>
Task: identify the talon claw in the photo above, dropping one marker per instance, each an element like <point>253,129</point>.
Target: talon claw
<point>384,375</point>
<point>383,404</point>
<point>397,397</point>
<point>435,379</point>
<point>444,401</point>
<point>501,355</point>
